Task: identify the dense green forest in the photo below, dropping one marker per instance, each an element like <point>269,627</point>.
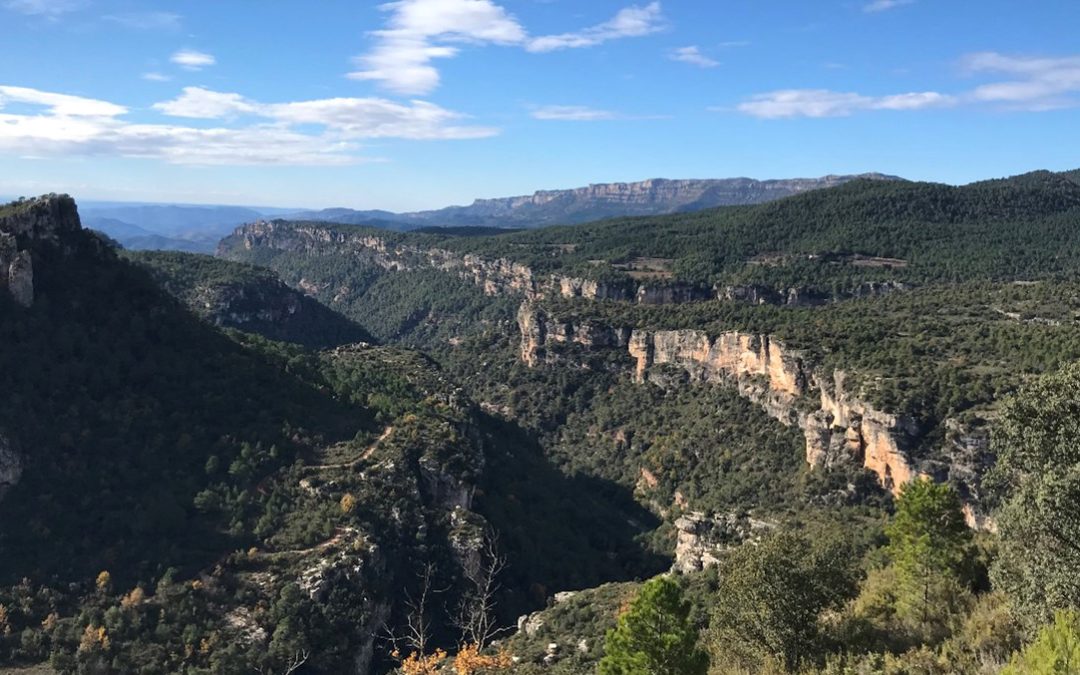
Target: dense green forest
<point>931,232</point>
<point>932,353</point>
<point>202,492</point>
<point>249,298</point>
<point>193,500</point>
<point>823,242</point>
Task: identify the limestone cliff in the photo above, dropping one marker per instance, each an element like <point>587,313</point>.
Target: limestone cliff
<point>497,276</point>
<point>502,276</point>
<point>701,539</point>
<point>838,425</point>
<point>798,296</point>
<point>602,200</point>
<point>25,226</point>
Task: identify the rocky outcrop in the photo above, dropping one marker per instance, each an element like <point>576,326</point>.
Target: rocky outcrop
<point>499,276</point>
<point>798,296</point>
<point>701,540</point>
<point>970,457</point>
<point>25,226</point>
<point>20,280</point>
<point>839,426</point>
<point>538,330</point>
<point>502,276</point>
<point>11,465</point>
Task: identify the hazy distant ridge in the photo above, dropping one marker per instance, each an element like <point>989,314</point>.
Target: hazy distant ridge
<point>602,200</point>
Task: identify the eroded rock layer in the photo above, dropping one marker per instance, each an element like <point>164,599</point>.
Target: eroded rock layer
<point>502,276</point>
<point>838,425</point>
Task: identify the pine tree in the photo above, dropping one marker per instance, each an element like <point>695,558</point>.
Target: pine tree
<point>655,635</point>
<point>1056,651</point>
<point>930,546</point>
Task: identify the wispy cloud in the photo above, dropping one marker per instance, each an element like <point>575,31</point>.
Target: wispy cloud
<point>629,22</point>
<point>317,132</point>
<point>420,31</point>
<point>189,59</point>
<point>351,118</point>
<point>885,5</point>
<point>826,103</point>
<point>146,20</point>
<point>154,76</point>
<point>46,8</point>
<point>693,55</point>
<point>1038,83</point>
<point>572,113</point>
<point>60,105</point>
<point>1035,84</point>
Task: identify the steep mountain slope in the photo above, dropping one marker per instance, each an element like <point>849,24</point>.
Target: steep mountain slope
<point>252,299</point>
<point>875,375</point>
<point>181,500</point>
<point>604,200</point>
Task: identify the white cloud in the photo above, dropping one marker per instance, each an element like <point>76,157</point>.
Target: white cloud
<point>199,103</point>
<point>401,59</point>
<point>629,22</point>
<point>572,113</point>
<point>1036,83</point>
<point>189,59</point>
<point>826,103</point>
<point>146,20</point>
<point>75,126</point>
<point>154,76</point>
<point>885,5</point>
<point>352,118</point>
<point>1040,83</point>
<point>420,31</point>
<point>46,8</point>
<point>61,105</point>
<point>378,118</point>
<point>693,55</point>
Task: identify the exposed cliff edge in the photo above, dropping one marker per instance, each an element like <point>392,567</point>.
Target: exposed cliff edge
<point>11,465</point>
<point>838,425</point>
<point>502,276</point>
<point>25,226</point>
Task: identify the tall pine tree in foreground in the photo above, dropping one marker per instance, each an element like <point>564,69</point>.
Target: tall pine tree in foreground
<point>931,548</point>
<point>655,635</point>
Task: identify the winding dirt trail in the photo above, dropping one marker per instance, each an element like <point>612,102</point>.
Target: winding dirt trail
<point>366,454</point>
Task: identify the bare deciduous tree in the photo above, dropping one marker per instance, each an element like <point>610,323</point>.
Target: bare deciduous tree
<point>416,633</point>
<point>298,659</point>
<point>476,617</point>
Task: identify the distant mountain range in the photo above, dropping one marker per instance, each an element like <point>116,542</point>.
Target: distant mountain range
<point>604,200</point>
<point>197,229</point>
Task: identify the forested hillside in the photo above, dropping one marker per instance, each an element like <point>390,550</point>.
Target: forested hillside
<point>841,481</point>
<point>747,373</point>
<point>178,499</point>
<point>862,238</point>
<point>247,298</point>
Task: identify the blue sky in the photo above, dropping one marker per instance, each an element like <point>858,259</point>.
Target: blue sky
<point>423,103</point>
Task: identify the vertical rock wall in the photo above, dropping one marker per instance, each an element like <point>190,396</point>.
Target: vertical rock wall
<point>838,426</point>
